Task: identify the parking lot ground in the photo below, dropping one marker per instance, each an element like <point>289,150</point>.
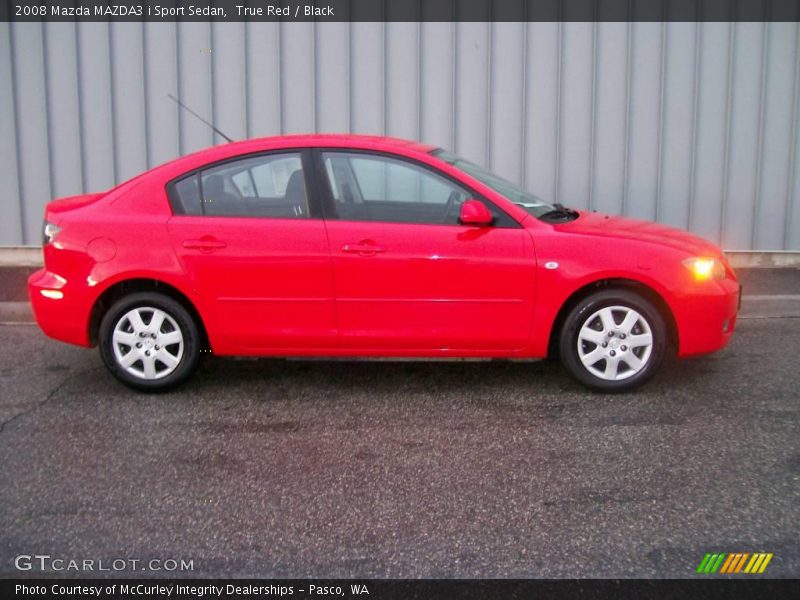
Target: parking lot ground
<point>279,468</point>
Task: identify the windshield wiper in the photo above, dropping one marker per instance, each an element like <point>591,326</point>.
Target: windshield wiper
<point>559,212</point>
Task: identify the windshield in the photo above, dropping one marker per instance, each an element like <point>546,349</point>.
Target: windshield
<point>525,200</point>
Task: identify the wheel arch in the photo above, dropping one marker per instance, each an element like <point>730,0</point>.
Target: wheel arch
<point>142,284</point>
<point>588,289</point>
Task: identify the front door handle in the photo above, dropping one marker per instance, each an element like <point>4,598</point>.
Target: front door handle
<point>364,247</point>
<point>206,243</point>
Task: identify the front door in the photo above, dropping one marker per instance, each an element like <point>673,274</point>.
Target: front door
<point>408,276</point>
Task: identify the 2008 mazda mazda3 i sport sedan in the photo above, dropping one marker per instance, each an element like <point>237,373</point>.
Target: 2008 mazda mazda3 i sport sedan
<point>342,245</point>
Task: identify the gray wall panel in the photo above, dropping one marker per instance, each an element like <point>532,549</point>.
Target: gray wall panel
<point>610,117</point>
<point>63,108</point>
<point>575,122</point>
<point>333,78</point>
<point>160,79</point>
<point>10,194</point>
<point>128,95</point>
<point>437,46</point>
<point>33,154</point>
<point>679,119</point>
<point>694,125</point>
<point>194,85</point>
<point>471,85</point>
<point>778,137</point>
<point>791,233</point>
<point>228,77</point>
<point>744,135</point>
<point>647,49</point>
<point>96,118</point>
<point>367,51</point>
<point>298,80</point>
<point>402,79</point>
<point>506,98</point>
<point>263,79</point>
<point>542,108</point>
<point>710,132</point>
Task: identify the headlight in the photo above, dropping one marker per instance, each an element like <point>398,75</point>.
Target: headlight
<point>705,268</point>
<point>49,233</point>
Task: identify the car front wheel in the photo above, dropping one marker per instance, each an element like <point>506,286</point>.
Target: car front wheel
<point>149,341</point>
<point>613,340</point>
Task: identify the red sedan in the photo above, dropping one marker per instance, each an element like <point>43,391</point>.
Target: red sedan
<point>343,245</point>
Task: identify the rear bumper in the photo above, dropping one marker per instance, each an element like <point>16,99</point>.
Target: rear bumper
<point>61,310</point>
<point>706,319</point>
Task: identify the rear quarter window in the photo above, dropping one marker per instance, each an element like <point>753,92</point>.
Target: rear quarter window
<point>185,197</point>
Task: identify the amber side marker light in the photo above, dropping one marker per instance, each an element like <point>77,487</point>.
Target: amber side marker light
<point>704,268</point>
<point>52,294</point>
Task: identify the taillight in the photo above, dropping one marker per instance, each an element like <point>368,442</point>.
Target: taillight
<point>49,233</point>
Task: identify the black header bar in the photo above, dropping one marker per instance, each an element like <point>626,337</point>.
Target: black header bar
<point>400,10</point>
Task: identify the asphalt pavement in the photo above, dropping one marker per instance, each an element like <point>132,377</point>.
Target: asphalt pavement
<point>275,468</point>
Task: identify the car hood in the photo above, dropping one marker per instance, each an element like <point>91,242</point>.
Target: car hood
<point>599,224</point>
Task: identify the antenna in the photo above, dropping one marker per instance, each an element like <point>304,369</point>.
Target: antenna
<point>182,105</point>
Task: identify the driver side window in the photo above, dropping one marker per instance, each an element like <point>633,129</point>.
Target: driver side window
<point>369,187</point>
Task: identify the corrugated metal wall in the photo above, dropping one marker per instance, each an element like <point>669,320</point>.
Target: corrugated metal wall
<point>694,125</point>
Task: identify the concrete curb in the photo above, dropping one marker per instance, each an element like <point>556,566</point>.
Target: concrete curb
<point>770,307</point>
<point>16,312</point>
<point>21,256</point>
<point>759,260</point>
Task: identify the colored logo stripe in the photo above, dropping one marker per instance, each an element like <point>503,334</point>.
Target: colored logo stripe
<point>734,562</point>
<point>728,563</point>
<point>710,563</point>
<point>738,562</point>
<point>758,563</point>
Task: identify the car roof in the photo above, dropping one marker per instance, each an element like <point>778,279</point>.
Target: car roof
<point>321,139</point>
<point>264,144</point>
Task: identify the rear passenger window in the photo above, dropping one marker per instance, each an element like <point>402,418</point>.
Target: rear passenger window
<point>263,186</point>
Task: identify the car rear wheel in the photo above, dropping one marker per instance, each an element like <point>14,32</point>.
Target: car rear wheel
<point>613,340</point>
<point>149,341</point>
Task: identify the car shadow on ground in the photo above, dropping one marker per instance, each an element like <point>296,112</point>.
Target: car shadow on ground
<point>533,391</point>
<point>427,376</point>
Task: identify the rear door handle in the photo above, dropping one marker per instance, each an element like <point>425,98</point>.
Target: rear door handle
<point>365,247</point>
<point>205,243</point>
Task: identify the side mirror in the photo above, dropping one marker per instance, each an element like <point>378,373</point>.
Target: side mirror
<point>474,212</point>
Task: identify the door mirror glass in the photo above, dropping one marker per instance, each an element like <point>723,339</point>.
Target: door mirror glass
<point>474,212</point>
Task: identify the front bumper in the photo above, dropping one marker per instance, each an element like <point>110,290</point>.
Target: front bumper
<point>706,318</point>
<point>61,310</point>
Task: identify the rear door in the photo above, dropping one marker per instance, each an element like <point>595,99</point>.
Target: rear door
<point>408,276</point>
<point>250,236</point>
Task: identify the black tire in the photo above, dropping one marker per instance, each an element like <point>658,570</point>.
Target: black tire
<point>177,318</point>
<point>584,313</point>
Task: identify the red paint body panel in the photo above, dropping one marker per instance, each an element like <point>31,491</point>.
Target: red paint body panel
<point>432,287</point>
<point>270,286</point>
<point>315,287</point>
